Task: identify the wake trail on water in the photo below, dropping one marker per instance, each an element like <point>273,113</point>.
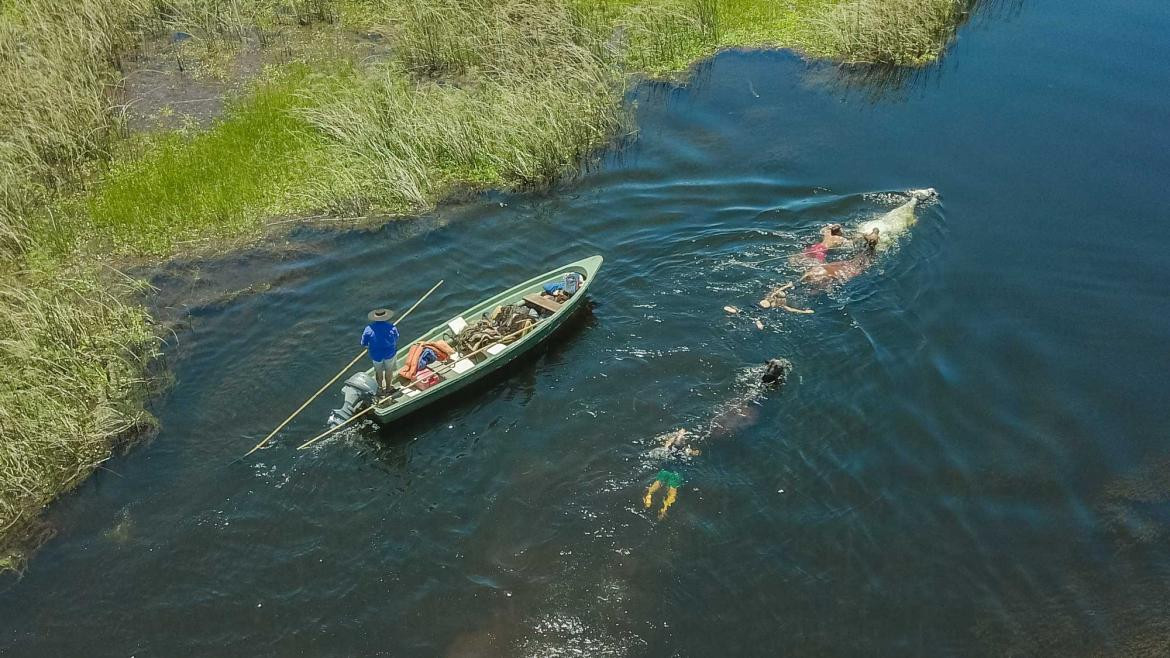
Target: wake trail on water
<point>563,628</point>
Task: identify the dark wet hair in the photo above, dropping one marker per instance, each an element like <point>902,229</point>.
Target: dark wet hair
<point>776,371</point>
<point>871,238</point>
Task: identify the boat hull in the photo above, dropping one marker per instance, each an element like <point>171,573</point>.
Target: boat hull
<point>454,382</point>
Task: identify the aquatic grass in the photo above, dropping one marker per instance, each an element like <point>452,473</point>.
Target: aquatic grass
<point>452,37</point>
<point>72,358</point>
<point>58,115</point>
<point>241,20</point>
<point>72,353</point>
<point>222,182</point>
<point>55,113</point>
<point>897,32</point>
<point>409,141</point>
<point>662,37</point>
<point>667,36</point>
<point>508,92</point>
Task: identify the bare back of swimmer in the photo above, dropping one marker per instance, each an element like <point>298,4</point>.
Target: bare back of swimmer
<point>832,237</point>
<point>840,271</point>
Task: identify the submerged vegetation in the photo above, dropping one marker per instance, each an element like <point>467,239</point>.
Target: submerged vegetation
<point>491,92</point>
<point>512,93</point>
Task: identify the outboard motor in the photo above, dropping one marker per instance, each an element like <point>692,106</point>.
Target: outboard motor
<point>359,391</point>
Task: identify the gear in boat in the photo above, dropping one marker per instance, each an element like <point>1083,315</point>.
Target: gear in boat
<point>428,361</point>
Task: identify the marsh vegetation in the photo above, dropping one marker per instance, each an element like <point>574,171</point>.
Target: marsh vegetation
<point>510,93</point>
<point>897,32</point>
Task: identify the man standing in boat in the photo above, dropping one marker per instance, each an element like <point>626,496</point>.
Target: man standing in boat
<point>381,341</point>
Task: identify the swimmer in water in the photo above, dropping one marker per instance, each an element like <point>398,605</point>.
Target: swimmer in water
<point>672,481</point>
<point>733,419</point>
<point>832,237</point>
<point>778,298</point>
<point>675,446</point>
<point>843,270</point>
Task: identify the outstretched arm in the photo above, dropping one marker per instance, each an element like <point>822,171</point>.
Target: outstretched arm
<point>797,310</point>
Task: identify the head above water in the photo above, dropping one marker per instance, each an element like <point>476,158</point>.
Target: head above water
<point>380,315</point>
<point>871,238</point>
<point>776,371</point>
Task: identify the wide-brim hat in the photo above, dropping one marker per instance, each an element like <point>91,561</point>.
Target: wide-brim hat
<point>380,315</point>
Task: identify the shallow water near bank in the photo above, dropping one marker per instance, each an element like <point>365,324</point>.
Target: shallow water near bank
<point>970,457</point>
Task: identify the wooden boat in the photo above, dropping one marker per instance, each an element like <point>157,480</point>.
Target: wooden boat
<point>461,371</point>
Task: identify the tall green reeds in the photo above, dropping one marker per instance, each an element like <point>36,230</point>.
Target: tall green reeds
<point>55,111</point>
<point>242,20</point>
<point>72,358</point>
<point>72,350</point>
<point>493,92</point>
<point>899,32</point>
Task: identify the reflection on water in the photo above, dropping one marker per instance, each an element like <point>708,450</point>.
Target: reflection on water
<point>965,460</point>
<point>876,83</point>
<point>879,82</point>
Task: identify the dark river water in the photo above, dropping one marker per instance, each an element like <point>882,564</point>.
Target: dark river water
<point>970,458</point>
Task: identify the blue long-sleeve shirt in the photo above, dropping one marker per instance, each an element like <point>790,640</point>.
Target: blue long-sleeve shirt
<point>381,339</point>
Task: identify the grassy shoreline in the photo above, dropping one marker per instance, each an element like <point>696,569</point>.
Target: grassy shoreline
<point>480,93</point>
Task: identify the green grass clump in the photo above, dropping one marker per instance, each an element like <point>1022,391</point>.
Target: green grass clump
<point>524,90</point>
<point>664,36</point>
<point>72,353</point>
<point>223,182</point>
<point>243,20</point>
<point>55,112</point>
<point>898,32</point>
<point>72,358</point>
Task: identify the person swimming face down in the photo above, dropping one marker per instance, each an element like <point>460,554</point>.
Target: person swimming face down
<point>832,237</point>
<point>843,270</point>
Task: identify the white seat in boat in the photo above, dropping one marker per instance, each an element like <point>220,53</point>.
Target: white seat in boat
<point>457,325</point>
<point>496,349</point>
<point>462,365</point>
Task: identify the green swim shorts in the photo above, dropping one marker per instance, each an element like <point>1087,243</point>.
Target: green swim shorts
<point>670,478</point>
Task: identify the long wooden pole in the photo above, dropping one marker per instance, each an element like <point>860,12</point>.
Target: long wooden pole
<point>370,408</point>
<point>337,376</point>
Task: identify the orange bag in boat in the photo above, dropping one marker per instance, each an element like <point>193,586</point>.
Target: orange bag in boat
<point>410,368</point>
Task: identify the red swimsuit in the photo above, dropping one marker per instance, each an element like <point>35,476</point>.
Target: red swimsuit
<point>817,251</point>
